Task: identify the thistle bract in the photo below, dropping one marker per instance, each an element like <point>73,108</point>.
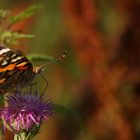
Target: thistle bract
<point>26,111</point>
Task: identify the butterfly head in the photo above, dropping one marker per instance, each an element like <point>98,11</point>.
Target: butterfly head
<point>40,69</point>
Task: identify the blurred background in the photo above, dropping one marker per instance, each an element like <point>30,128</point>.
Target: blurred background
<point>98,84</point>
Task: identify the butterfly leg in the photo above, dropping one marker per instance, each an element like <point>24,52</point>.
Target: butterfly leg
<point>31,85</point>
<point>44,78</point>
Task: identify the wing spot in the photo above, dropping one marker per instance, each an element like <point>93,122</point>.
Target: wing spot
<point>21,64</point>
<point>13,55</point>
<point>4,63</point>
<point>18,58</point>
<point>2,80</point>
<point>8,67</point>
<point>4,51</point>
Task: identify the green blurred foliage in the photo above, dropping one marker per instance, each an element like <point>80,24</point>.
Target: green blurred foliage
<point>75,86</point>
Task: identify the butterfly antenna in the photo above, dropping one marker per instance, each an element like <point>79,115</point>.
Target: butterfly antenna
<point>42,67</point>
<point>59,58</point>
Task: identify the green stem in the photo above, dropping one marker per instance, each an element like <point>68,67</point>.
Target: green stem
<point>20,136</point>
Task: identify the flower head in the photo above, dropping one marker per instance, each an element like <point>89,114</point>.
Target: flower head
<point>26,111</point>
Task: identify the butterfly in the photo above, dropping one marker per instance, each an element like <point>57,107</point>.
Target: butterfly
<point>16,71</point>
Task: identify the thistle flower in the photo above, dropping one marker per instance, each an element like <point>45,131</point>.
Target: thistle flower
<point>25,112</point>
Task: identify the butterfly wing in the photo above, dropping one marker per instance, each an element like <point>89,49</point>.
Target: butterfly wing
<point>15,70</point>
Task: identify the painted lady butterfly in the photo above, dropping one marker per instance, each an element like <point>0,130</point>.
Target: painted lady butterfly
<point>16,71</point>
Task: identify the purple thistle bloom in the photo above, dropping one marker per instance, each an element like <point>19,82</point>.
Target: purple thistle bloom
<point>26,111</point>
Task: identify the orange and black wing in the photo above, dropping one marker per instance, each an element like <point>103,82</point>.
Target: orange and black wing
<point>15,70</point>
